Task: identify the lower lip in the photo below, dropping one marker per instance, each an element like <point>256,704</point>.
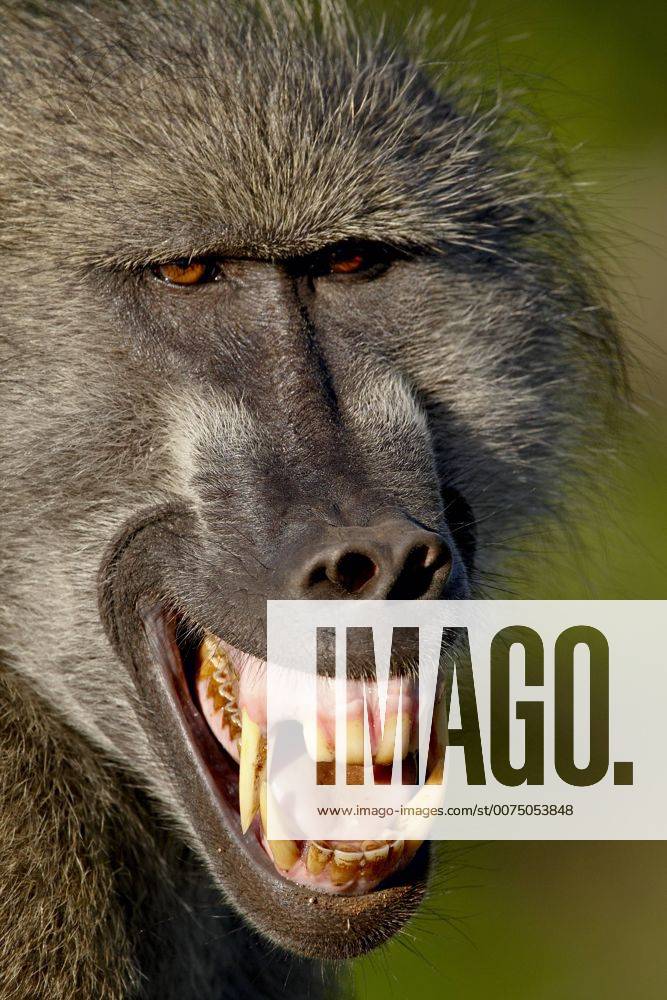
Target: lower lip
<point>196,783</point>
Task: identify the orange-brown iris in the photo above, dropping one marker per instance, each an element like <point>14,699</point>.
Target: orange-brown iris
<point>347,265</point>
<point>185,272</point>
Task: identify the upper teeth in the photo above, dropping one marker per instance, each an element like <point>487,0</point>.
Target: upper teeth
<point>375,859</point>
<point>251,765</point>
<point>222,682</point>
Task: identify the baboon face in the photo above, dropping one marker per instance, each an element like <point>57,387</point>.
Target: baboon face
<point>278,321</point>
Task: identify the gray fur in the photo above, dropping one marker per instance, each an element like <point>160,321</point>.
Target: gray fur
<point>266,130</point>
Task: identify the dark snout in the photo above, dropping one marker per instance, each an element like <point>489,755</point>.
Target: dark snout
<point>395,559</point>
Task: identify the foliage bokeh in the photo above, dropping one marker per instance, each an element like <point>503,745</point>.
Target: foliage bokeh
<point>547,921</point>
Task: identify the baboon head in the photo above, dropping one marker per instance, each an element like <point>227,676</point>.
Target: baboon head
<point>281,316</point>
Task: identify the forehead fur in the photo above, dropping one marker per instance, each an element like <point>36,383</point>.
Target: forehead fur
<point>165,135</point>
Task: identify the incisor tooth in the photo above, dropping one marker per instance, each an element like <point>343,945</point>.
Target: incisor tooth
<point>348,857</point>
<point>355,741</point>
<point>374,850</point>
<point>285,853</point>
<point>385,752</point>
<point>376,862</point>
<point>344,866</point>
<point>252,753</point>
<point>377,853</point>
<point>322,751</point>
<point>318,858</point>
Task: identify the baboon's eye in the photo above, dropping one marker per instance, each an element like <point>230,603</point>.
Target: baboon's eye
<point>352,258</point>
<point>187,272</point>
<point>347,263</point>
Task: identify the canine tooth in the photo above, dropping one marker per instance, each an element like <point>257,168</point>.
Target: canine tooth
<point>252,754</point>
<point>285,853</point>
<point>262,805</point>
<point>385,751</point>
<point>318,858</point>
<point>421,824</point>
<point>437,772</point>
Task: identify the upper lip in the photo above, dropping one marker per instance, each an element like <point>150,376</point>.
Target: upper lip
<point>144,637</point>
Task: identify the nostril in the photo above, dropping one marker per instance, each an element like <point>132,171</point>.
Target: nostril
<point>430,557</point>
<point>318,575</point>
<point>353,571</point>
<point>395,560</point>
<point>419,570</point>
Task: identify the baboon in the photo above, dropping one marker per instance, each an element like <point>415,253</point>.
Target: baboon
<point>285,312</point>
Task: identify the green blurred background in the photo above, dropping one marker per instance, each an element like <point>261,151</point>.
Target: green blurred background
<point>562,921</point>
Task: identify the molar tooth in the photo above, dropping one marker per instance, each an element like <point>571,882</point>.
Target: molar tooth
<point>206,667</point>
<point>214,662</point>
<point>318,858</point>
<point>252,754</point>
<point>206,663</point>
<point>209,654</point>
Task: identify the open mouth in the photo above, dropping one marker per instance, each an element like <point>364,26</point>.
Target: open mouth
<point>206,722</point>
<point>230,689</point>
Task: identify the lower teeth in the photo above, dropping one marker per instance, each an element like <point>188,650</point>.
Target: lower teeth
<point>374,860</point>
